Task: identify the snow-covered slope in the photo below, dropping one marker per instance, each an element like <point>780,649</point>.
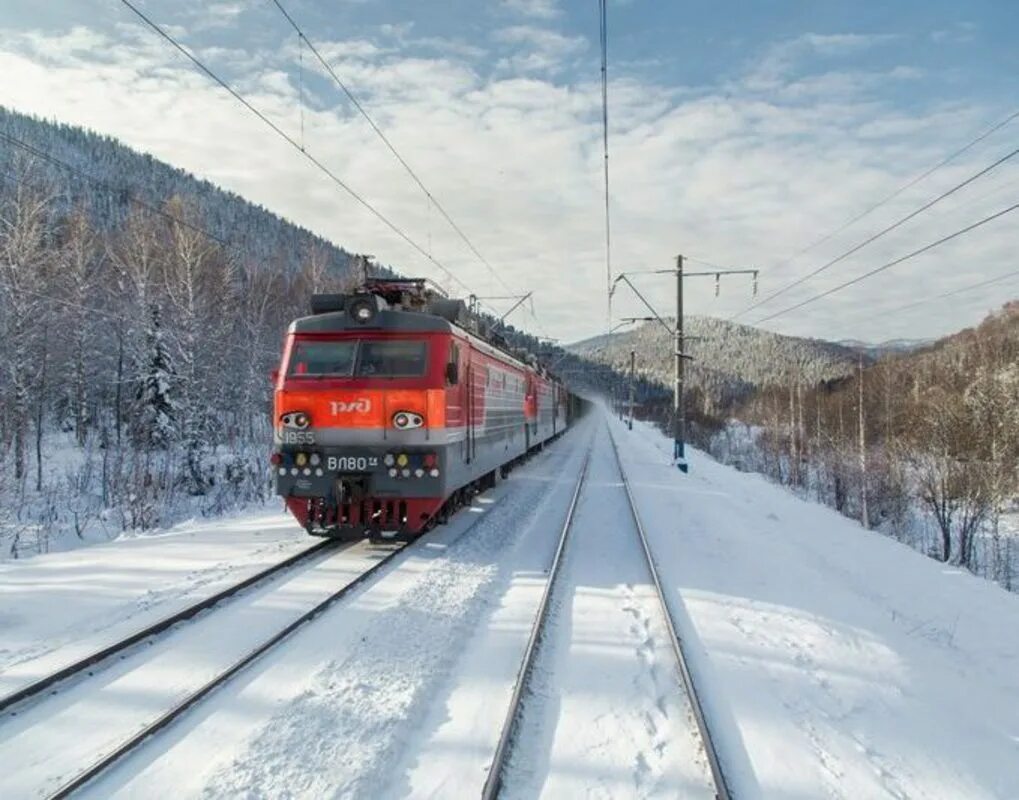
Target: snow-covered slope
<point>834,661</point>
<point>730,361</point>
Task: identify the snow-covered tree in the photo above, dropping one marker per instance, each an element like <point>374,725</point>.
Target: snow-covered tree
<point>155,423</point>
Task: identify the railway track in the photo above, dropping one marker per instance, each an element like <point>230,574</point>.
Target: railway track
<point>132,742</point>
<point>496,774</point>
<point>96,659</point>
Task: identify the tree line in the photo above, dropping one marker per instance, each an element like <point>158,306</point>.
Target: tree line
<point>135,368</point>
<point>924,445</point>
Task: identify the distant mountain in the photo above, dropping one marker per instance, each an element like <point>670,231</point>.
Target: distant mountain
<point>120,174</point>
<point>890,347</point>
<point>730,361</point>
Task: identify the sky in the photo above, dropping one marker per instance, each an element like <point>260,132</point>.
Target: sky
<point>740,134</point>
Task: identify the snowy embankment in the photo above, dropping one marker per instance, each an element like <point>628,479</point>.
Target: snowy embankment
<point>605,715</point>
<point>57,608</point>
<point>343,707</point>
<point>832,660</point>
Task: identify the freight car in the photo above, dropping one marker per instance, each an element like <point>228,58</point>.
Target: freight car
<point>391,409</point>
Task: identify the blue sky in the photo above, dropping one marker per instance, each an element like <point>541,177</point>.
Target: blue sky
<point>741,132</point>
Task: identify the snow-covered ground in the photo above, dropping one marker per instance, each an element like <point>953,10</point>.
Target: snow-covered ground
<point>57,608</point>
<point>353,695</point>
<point>605,715</point>
<point>833,661</point>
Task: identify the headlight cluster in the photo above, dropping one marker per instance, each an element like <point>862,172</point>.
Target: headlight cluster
<point>403,465</point>
<point>296,419</point>
<point>407,420</point>
<point>306,464</point>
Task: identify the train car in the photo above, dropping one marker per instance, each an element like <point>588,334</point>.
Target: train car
<point>390,411</point>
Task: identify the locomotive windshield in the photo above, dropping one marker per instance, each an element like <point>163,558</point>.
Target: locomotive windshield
<point>383,358</point>
<point>322,358</point>
<point>391,358</point>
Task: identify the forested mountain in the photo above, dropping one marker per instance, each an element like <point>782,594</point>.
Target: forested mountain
<point>141,311</point>
<point>730,361</point>
<point>122,178</point>
<point>932,433</point>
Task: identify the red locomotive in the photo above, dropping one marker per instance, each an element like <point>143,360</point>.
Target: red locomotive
<point>390,410</point>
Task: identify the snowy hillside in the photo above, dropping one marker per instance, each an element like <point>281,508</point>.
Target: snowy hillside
<point>830,661</point>
<point>730,361</point>
<point>141,312</point>
<point>119,174</point>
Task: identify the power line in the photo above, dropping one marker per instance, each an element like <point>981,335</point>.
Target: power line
<point>107,187</point>
<point>392,149</point>
<point>293,143</point>
<point>878,235</point>
<point>944,295</point>
<point>891,264</point>
<point>604,32</point>
<point>49,298</point>
<point>908,185</point>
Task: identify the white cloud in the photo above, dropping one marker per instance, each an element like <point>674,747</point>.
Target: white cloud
<point>540,39</point>
<point>217,15</point>
<point>782,60</point>
<point>745,174</point>
<point>538,9</point>
<point>541,49</point>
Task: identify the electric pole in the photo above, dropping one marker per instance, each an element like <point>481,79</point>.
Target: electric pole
<point>864,511</point>
<point>678,405</point>
<point>633,361</point>
<point>679,340</point>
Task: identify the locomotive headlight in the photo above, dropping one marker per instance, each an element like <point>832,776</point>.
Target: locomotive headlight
<point>362,309</point>
<point>389,459</point>
<point>405,420</point>
<point>295,419</point>
<point>315,459</point>
<point>301,459</point>
<point>402,460</point>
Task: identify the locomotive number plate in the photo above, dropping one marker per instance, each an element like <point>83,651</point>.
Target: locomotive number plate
<point>351,463</point>
<point>297,437</point>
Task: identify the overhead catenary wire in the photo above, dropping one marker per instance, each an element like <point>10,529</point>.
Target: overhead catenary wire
<point>129,318</point>
<point>944,295</point>
<point>873,238</point>
<point>888,198</point>
<point>604,35</point>
<point>433,200</point>
<point>108,188</point>
<point>294,144</point>
<point>890,264</point>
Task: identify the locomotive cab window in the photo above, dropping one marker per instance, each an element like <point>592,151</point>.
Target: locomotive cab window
<point>322,358</point>
<point>391,359</point>
<point>453,365</point>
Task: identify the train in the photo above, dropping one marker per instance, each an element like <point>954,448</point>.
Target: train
<point>392,407</point>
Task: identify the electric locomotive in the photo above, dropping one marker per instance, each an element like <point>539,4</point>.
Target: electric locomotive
<point>391,409</point>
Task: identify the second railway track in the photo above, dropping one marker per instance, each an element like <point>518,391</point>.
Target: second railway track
<point>495,783</point>
<point>97,658</point>
<point>172,677</point>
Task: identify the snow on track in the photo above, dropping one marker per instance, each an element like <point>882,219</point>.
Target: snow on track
<point>54,738</point>
<point>832,661</point>
<point>56,609</point>
<point>329,714</point>
<point>606,715</point>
